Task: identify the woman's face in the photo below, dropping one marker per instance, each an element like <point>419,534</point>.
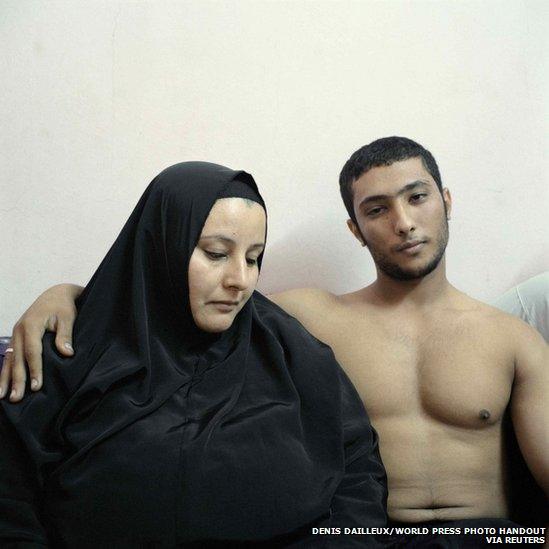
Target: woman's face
<point>223,268</point>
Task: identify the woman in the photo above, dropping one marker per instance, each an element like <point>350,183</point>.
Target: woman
<point>195,411</point>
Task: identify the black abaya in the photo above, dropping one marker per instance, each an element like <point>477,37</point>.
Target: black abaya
<point>156,434</point>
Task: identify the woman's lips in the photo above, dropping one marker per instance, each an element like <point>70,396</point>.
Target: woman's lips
<point>224,306</point>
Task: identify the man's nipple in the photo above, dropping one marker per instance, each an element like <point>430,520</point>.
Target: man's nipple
<point>484,414</point>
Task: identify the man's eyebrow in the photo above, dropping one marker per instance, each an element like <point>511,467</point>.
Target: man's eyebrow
<point>408,187</point>
<point>230,240</point>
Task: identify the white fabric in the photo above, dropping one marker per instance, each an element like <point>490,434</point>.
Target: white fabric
<point>529,301</point>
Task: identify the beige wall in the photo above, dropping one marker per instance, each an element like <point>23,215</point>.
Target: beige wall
<point>97,97</point>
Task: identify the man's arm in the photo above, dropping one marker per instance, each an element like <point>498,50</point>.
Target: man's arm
<point>309,306</point>
<point>530,402</point>
<point>54,311</point>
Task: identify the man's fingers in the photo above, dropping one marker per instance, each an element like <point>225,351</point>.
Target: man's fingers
<point>5,374</point>
<point>18,371</point>
<point>33,356</point>
<point>63,337</point>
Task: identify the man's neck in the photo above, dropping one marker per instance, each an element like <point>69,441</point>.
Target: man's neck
<point>420,292</point>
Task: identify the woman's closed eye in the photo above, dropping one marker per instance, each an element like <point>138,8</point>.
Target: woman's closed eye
<point>218,256</point>
<point>215,256</point>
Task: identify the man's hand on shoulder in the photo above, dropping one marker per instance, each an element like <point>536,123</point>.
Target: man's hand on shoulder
<point>54,311</point>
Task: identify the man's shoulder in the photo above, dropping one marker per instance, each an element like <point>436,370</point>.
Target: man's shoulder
<point>304,300</point>
<point>507,326</point>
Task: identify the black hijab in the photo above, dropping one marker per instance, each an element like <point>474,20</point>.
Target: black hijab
<point>269,423</point>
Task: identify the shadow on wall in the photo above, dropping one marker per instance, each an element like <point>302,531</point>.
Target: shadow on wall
<point>316,253</point>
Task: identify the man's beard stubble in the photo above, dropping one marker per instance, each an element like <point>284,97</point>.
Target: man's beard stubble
<point>396,272</point>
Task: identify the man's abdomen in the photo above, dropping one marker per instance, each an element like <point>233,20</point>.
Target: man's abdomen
<point>438,471</point>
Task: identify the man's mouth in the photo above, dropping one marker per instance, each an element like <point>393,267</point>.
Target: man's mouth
<point>411,247</point>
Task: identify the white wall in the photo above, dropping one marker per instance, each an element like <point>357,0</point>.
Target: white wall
<point>97,97</point>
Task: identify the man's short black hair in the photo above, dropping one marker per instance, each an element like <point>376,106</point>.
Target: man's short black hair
<point>382,152</point>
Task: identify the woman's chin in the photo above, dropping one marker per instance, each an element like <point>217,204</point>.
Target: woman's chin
<point>214,325</point>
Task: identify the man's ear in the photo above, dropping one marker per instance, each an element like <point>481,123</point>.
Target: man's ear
<point>447,197</point>
<point>354,229</point>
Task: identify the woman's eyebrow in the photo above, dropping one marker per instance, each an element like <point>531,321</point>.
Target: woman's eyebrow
<point>218,237</point>
<point>259,245</point>
<point>228,240</point>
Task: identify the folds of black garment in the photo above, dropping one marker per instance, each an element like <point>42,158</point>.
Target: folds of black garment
<point>235,453</point>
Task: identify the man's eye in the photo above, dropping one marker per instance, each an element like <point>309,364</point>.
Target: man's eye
<point>418,197</point>
<point>215,255</point>
<point>374,211</point>
<point>251,262</point>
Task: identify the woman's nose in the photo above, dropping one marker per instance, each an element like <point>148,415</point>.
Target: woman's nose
<point>236,274</point>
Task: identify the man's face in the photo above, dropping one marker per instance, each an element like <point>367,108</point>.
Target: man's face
<point>402,218</point>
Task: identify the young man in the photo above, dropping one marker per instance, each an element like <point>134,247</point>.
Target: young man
<point>436,369</point>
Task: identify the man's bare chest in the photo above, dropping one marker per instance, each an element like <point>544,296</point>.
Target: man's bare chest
<point>450,372</point>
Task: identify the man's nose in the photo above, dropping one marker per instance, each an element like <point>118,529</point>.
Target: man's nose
<point>403,220</point>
